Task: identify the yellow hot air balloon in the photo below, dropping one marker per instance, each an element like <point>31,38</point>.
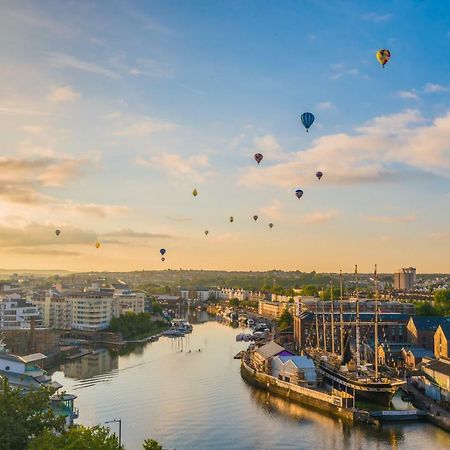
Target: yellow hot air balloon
<point>195,193</point>
<point>97,244</point>
<point>383,56</point>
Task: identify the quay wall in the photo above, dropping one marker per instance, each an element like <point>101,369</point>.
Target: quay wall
<point>314,399</point>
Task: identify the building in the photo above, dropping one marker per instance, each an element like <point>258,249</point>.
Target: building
<point>298,370</point>
<point>261,358</point>
<point>413,356</point>
<point>442,341</point>
<point>404,279</point>
<point>421,329</point>
<point>17,313</point>
<point>90,311</point>
<point>274,309</point>
<point>392,354</point>
<point>54,309</point>
<point>436,379</point>
<point>128,302</point>
<point>231,293</point>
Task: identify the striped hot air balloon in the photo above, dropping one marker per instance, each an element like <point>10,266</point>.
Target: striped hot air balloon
<point>307,119</point>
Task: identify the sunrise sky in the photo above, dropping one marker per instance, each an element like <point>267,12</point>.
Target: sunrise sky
<point>111,113</point>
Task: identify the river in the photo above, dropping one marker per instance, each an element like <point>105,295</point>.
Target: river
<point>193,400</point>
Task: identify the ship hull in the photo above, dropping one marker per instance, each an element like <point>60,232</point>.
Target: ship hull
<point>380,393</point>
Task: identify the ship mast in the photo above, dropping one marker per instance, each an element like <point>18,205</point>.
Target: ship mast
<point>332,314</point>
<point>341,316</point>
<point>323,323</point>
<point>317,324</point>
<point>376,323</point>
<point>358,355</point>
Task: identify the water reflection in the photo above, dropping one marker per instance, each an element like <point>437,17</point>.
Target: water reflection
<point>92,366</point>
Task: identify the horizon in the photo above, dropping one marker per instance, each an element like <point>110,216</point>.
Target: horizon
<point>112,116</point>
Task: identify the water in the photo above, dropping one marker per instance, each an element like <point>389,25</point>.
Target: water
<point>198,401</point>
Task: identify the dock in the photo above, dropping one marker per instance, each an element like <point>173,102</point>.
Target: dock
<point>399,416</point>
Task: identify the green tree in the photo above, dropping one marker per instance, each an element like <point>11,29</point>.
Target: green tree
<point>285,320</point>
<point>442,301</point>
<point>157,308</point>
<point>151,444</point>
<point>24,416</point>
<point>234,302</point>
<point>309,289</point>
<point>77,438</point>
<point>425,309</point>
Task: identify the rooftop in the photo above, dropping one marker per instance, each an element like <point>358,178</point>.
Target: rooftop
<point>269,350</point>
<point>431,323</point>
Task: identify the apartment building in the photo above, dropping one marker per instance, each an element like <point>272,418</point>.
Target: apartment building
<point>17,313</point>
<point>90,311</point>
<point>127,302</point>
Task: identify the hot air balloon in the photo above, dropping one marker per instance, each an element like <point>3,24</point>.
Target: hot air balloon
<point>258,157</point>
<point>162,251</point>
<point>57,232</point>
<point>298,193</point>
<point>163,259</point>
<point>206,232</point>
<point>255,218</point>
<point>97,244</point>
<point>319,174</point>
<point>231,219</point>
<point>270,225</point>
<point>307,119</point>
<point>195,193</point>
<point>383,56</point>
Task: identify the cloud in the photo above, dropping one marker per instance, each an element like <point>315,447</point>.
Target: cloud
<point>408,95</point>
<point>376,152</point>
<point>21,111</point>
<point>193,168</point>
<point>30,235</point>
<point>178,218</point>
<point>152,67</point>
<point>63,94</point>
<point>320,217</point>
<point>129,233</point>
<point>377,18</point>
<point>440,236</point>
<point>340,71</point>
<point>41,251</point>
<point>64,60</point>
<point>268,146</point>
<point>144,127</point>
<point>32,129</point>
<point>273,211</point>
<point>325,106</point>
<point>23,179</point>
<point>392,219</point>
<point>431,88</point>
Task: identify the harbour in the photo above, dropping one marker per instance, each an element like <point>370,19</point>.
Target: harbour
<point>153,388</point>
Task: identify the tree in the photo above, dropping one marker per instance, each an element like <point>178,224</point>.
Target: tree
<point>285,320</point>
<point>79,438</point>
<point>151,444</point>
<point>24,416</point>
<point>425,309</point>
<point>442,301</point>
<point>309,289</point>
<point>234,302</point>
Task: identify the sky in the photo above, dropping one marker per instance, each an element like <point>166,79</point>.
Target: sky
<point>111,113</point>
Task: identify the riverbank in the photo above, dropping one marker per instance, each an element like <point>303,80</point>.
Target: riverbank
<point>322,401</point>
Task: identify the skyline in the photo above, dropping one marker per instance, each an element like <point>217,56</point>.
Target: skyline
<point>110,117</point>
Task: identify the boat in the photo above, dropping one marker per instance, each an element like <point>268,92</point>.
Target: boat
<point>348,372</point>
<point>173,332</point>
<point>250,323</point>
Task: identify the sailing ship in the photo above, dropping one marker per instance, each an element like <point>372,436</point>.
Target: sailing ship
<point>347,371</point>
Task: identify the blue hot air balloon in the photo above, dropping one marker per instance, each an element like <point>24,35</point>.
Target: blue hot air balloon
<point>307,119</point>
<point>162,251</point>
<point>298,193</point>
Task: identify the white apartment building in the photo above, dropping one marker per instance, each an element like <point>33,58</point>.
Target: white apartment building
<point>17,313</point>
<point>90,311</point>
<point>54,309</point>
<point>240,294</point>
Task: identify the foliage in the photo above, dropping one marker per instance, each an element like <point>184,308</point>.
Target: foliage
<point>285,320</point>
<point>77,438</point>
<point>310,290</point>
<point>24,416</point>
<point>136,326</point>
<point>234,302</point>
<point>425,309</point>
<point>151,444</point>
<point>157,308</point>
<point>442,301</point>
<point>326,294</point>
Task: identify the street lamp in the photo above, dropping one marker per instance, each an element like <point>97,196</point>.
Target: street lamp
<point>119,421</point>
